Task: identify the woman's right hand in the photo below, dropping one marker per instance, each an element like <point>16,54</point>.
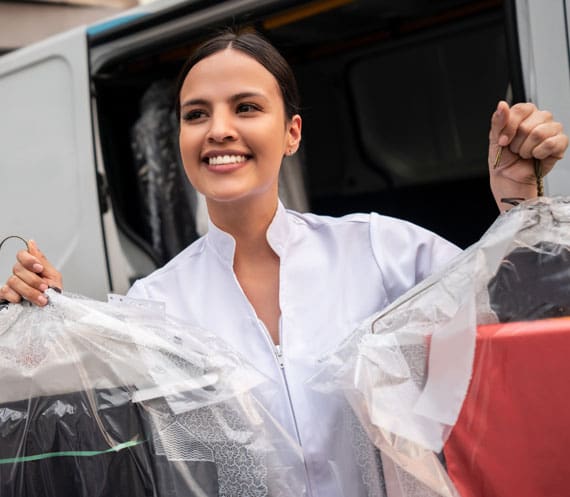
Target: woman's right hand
<point>31,276</point>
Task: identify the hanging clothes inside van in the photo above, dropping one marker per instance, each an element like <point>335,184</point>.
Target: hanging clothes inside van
<point>168,200</point>
<point>102,400</point>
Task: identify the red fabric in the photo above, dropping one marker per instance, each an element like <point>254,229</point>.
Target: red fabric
<point>512,437</point>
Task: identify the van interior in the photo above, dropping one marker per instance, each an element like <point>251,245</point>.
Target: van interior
<point>397,97</point>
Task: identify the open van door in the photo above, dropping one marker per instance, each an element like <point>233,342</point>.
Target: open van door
<point>47,141</point>
<point>543,29</point>
<point>69,107</point>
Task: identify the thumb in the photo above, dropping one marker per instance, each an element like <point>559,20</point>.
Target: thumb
<point>499,120</point>
<point>49,272</point>
<point>34,250</point>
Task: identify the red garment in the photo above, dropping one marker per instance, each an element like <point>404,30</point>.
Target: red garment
<point>513,433</point>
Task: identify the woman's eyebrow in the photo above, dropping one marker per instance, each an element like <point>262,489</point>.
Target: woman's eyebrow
<point>246,94</point>
<point>195,101</point>
<point>233,98</point>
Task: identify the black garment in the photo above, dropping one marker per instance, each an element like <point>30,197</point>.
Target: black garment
<point>71,436</point>
<point>168,199</point>
<point>64,428</point>
<point>532,283</point>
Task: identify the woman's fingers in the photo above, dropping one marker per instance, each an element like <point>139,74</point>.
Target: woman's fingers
<point>532,132</point>
<point>498,121</point>
<point>26,278</point>
<point>514,116</point>
<point>551,148</point>
<point>6,293</point>
<point>20,286</point>
<point>518,135</point>
<point>527,133</point>
<point>42,266</point>
<point>29,262</point>
<point>31,276</point>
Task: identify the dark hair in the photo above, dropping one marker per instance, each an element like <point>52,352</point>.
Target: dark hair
<point>257,47</point>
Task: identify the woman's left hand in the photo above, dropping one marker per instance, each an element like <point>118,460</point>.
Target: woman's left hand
<point>524,133</point>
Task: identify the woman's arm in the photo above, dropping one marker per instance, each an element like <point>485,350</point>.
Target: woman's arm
<point>522,132</point>
<point>519,135</point>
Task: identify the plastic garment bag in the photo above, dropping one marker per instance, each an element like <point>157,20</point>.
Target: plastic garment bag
<point>512,434</point>
<point>406,370</point>
<point>102,400</point>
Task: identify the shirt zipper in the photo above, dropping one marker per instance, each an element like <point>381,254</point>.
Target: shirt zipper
<point>278,354</point>
<point>280,360</point>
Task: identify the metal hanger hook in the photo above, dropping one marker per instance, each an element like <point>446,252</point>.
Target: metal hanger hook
<point>14,236</point>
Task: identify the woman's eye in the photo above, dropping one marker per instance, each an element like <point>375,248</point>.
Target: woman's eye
<point>247,107</point>
<point>192,115</point>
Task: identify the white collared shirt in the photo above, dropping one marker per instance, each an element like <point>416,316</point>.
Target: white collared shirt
<point>334,273</point>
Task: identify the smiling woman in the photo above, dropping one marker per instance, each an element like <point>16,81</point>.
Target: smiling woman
<point>233,121</point>
<point>235,129</point>
<point>283,287</point>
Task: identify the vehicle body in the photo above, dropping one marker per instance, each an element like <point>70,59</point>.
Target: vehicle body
<point>396,95</point>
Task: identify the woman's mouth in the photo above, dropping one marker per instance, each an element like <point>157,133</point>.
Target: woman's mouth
<point>225,163</point>
<point>222,160</point>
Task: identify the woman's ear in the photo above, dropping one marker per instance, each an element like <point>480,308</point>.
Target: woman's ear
<point>293,134</point>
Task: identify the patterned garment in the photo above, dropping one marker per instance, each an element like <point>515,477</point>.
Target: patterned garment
<point>182,422</point>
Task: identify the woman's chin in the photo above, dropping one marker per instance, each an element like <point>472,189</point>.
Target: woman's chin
<point>241,196</point>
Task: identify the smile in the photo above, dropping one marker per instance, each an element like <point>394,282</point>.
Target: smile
<point>226,159</point>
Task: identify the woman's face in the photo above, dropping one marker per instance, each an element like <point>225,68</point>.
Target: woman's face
<point>233,129</point>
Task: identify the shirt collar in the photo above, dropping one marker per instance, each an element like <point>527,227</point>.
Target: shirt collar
<point>279,230</point>
<point>277,236</point>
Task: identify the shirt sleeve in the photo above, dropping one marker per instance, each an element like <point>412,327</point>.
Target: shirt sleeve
<point>137,291</point>
<point>406,253</point>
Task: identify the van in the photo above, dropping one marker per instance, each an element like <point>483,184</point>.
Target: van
<point>397,96</point>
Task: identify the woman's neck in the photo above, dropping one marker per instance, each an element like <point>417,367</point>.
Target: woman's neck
<point>255,264</point>
<point>246,222</point>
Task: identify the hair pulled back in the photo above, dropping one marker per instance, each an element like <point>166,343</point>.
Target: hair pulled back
<point>258,48</point>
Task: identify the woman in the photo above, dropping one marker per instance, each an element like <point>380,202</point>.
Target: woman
<point>282,287</point>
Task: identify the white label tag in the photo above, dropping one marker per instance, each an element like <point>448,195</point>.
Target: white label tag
<point>150,306</point>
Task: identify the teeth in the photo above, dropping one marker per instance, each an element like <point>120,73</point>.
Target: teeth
<point>226,159</point>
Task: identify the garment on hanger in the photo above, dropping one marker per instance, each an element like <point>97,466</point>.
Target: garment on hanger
<point>407,370</point>
<point>517,408</point>
<point>532,282</point>
<point>512,437</point>
<point>100,400</point>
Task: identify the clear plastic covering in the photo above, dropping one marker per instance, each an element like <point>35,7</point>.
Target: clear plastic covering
<point>407,369</point>
<point>512,436</point>
<point>101,400</point>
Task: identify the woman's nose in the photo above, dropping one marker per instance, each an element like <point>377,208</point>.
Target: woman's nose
<point>221,128</point>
